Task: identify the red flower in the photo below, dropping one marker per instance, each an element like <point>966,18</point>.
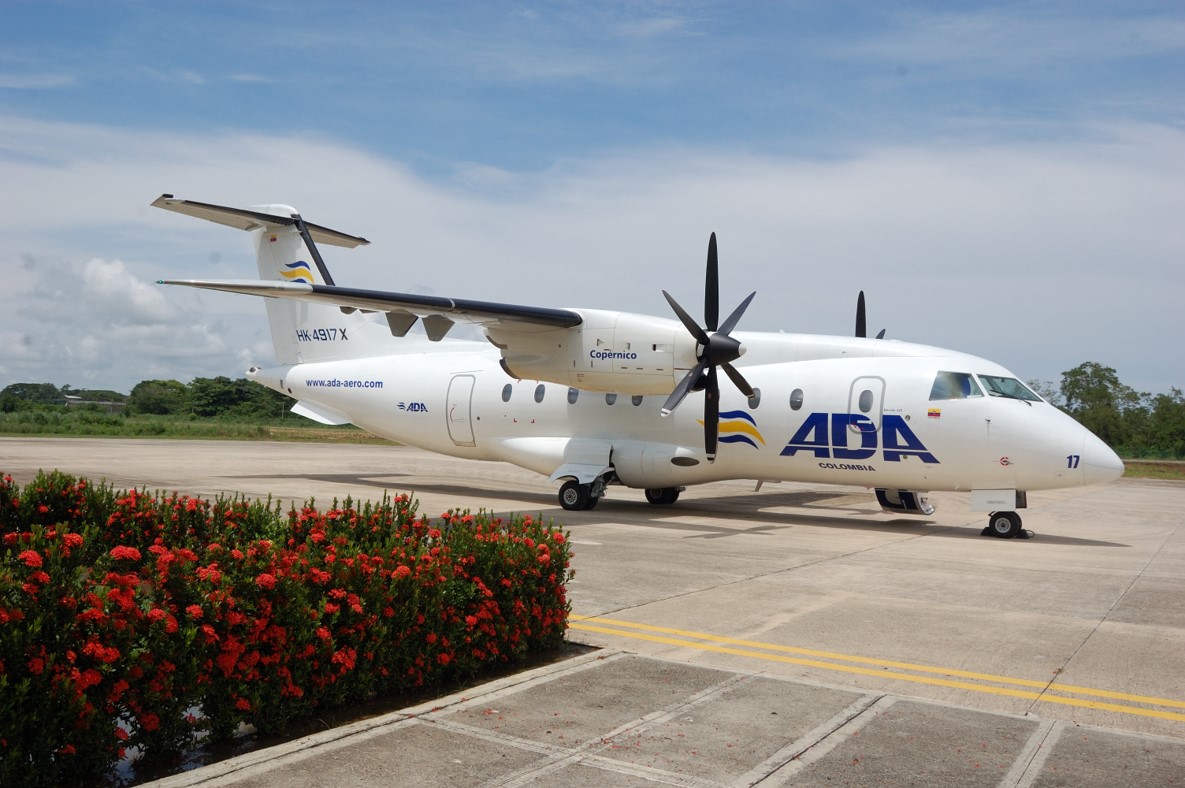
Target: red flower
<point>31,558</point>
<point>194,611</point>
<point>242,704</point>
<point>123,551</point>
<point>266,581</point>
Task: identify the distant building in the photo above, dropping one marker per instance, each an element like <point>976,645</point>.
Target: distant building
<point>75,401</point>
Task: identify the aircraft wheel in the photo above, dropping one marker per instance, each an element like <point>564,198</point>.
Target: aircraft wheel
<point>575,496</point>
<point>593,500</point>
<point>662,496</point>
<point>1005,525</point>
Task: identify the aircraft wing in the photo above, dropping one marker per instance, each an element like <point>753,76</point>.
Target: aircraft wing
<point>402,309</point>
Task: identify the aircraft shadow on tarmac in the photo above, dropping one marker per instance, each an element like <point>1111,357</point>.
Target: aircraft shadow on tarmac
<point>750,512</point>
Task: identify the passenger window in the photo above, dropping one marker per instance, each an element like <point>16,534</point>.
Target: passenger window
<point>636,399</point>
<point>755,400</point>
<point>610,398</point>
<point>865,401</point>
<point>796,399</point>
<point>954,385</point>
<point>539,390</point>
<point>573,393</point>
<point>506,392</point>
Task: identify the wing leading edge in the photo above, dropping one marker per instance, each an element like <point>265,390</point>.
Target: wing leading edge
<point>402,309</point>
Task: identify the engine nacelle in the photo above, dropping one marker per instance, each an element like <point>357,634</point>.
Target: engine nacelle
<point>610,351</point>
<point>905,501</point>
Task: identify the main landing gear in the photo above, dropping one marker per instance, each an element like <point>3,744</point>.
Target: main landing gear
<point>575,496</point>
<point>663,496</point>
<point>1006,525</point>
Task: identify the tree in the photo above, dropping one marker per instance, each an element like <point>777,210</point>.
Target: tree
<point>1167,433</point>
<point>1094,396</point>
<point>213,396</point>
<point>33,393</point>
<point>159,397</point>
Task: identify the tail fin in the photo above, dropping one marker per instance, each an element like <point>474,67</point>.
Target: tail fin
<point>286,251</point>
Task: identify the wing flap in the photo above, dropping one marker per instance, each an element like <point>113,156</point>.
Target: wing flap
<point>456,310</point>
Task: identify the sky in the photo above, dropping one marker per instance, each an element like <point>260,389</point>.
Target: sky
<point>1004,179</point>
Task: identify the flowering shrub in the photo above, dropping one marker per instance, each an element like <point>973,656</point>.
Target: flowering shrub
<point>147,621</point>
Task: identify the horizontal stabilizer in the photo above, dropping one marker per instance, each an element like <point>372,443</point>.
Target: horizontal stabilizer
<point>319,413</point>
<point>245,219</point>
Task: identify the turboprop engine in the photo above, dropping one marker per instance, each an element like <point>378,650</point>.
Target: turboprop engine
<point>609,351</point>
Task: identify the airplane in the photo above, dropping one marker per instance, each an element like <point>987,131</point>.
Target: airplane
<point>594,399</point>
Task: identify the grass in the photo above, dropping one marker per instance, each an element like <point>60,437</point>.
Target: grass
<point>1154,469</point>
<point>90,424</point>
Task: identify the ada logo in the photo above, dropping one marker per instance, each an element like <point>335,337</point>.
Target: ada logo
<point>737,426</point>
<point>826,435</point>
<point>412,407</point>
<point>298,272</point>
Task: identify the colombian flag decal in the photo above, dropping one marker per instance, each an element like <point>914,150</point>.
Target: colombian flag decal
<point>934,413</point>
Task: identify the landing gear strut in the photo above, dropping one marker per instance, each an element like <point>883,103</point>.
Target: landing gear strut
<point>1005,525</point>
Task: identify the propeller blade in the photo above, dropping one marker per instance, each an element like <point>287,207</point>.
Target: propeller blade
<point>712,288</point>
<point>861,321</point>
<point>735,317</point>
<point>711,414</point>
<point>688,323</point>
<point>738,379</point>
<point>682,389</point>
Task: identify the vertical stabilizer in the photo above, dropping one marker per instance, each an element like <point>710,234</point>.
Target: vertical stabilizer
<point>286,251</point>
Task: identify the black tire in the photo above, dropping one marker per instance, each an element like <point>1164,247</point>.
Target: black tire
<point>1005,525</point>
<point>662,496</point>
<point>574,496</point>
<point>593,500</point>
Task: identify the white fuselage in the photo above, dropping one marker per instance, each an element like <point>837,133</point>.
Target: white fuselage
<point>830,409</point>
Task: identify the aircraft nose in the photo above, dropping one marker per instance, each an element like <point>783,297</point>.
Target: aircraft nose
<point>1099,463</point>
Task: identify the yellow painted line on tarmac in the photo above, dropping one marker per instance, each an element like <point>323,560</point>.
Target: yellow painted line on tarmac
<point>745,648</point>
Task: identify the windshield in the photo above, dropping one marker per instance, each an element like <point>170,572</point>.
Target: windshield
<point>1007,387</point>
<point>954,385</point>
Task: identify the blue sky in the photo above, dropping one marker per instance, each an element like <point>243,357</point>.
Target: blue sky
<point>1006,179</point>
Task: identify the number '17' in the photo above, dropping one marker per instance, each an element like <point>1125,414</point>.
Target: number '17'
<point>1072,460</point>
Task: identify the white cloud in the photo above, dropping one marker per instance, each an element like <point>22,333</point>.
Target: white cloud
<point>1039,256</point>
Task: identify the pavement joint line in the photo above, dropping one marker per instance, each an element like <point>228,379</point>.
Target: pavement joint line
<point>513,684</point>
<point>1052,687</point>
<point>248,764</point>
<point>767,772</point>
<point>1031,761</point>
<point>587,752</point>
<point>820,742</point>
<point>585,623</point>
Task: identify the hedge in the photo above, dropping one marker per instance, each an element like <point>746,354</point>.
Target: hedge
<point>142,623</point>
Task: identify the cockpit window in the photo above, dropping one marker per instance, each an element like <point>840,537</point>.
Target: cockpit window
<point>954,385</point>
<point>1007,387</point>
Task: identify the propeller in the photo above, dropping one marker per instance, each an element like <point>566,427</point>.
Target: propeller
<point>861,320</point>
<point>715,349</point>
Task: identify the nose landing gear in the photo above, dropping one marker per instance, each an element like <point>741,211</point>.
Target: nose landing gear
<point>1006,525</point>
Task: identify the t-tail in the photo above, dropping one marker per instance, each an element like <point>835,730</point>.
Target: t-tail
<point>286,251</point>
